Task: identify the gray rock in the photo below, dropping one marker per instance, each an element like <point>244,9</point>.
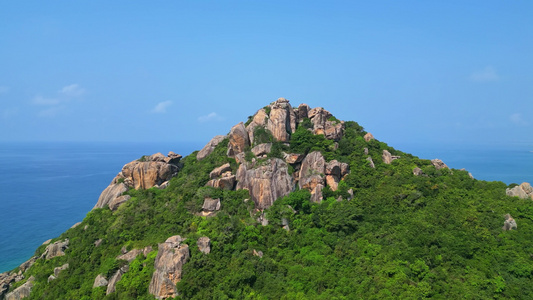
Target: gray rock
<point>51,278</point>
<point>132,254</point>
<point>99,281</point>
<point>238,140</point>
<point>209,147</point>
<point>418,172</point>
<point>312,175</point>
<point>218,171</point>
<point>116,202</point>
<point>113,191</point>
<point>171,257</point>
<point>293,158</point>
<point>211,205</point>
<point>279,122</point>
<point>258,253</point>
<point>226,182</point>
<point>22,291</point>
<point>266,182</point>
<point>111,286</point>
<point>368,137</point>
<point>369,159</point>
<point>204,244</point>
<point>262,149</point>
<point>509,223</point>
<point>56,249</point>
<point>58,270</point>
<point>97,242</point>
<point>439,164</point>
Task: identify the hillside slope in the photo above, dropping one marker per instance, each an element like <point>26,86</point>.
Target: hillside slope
<point>292,204</point>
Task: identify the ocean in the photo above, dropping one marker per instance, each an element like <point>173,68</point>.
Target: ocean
<point>45,188</point>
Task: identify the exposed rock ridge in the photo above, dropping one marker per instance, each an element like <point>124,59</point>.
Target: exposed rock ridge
<point>522,191</point>
<point>147,172</point>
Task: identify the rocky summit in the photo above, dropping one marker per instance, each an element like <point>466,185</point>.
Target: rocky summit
<point>292,203</point>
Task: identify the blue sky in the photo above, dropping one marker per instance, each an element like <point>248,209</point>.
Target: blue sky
<point>457,72</point>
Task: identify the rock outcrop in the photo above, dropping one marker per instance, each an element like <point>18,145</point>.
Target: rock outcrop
<point>266,182</point>
<point>312,175</point>
<point>147,172</point>
<point>388,157</point>
<point>334,173</point>
<point>209,147</point>
<point>509,223</point>
<point>522,191</point>
<point>204,244</point>
<point>168,264</point>
<point>58,270</point>
<point>262,149</point>
<point>439,164</point>
<point>238,140</point>
<point>99,281</point>
<point>22,291</point>
<point>368,137</point>
<point>371,162</point>
<point>280,120</point>
<point>132,254</point>
<point>56,249</point>
<point>111,286</point>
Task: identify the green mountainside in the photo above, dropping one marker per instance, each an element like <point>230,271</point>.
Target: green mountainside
<point>292,204</point>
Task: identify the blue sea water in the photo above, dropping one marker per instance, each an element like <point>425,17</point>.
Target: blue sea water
<point>47,187</point>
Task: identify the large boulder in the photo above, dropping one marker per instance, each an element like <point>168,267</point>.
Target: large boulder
<point>58,270</point>
<point>303,110</point>
<point>133,253</point>
<point>113,191</point>
<point>266,182</point>
<point>262,149</point>
<point>439,164</point>
<point>99,281</point>
<point>238,140</point>
<point>56,249</point>
<point>311,175</point>
<point>22,291</point>
<point>368,137</point>
<point>218,171</point>
<point>226,181</point>
<point>522,191</point>
<point>260,119</point>
<point>5,280</point>
<point>209,147</point>
<point>171,257</point>
<point>204,244</point>
<point>111,286</point>
<point>279,123</point>
<point>388,157</point>
<point>509,223</point>
<point>335,171</point>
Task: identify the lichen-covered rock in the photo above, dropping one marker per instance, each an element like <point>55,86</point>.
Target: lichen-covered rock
<point>266,182</point>
<point>312,172</point>
<point>211,205</point>
<point>22,291</point>
<point>209,147</point>
<point>522,191</point>
<point>368,137</point>
<point>204,244</point>
<point>171,257</point>
<point>439,164</point>
<point>262,149</point>
<point>218,171</point>
<point>509,223</point>
<point>111,286</point>
<point>56,249</point>
<point>238,140</point>
<point>113,191</point>
<point>99,281</point>
<point>388,157</point>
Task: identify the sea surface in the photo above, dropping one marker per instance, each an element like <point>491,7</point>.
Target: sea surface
<point>45,188</point>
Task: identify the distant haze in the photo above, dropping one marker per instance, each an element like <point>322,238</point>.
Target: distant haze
<point>437,72</point>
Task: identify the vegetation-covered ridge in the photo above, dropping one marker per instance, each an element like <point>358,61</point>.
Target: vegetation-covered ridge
<point>292,204</point>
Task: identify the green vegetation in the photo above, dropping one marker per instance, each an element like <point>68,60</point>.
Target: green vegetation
<point>400,237</point>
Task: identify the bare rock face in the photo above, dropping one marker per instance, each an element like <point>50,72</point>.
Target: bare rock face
<point>208,149</point>
<point>56,249</point>
<point>238,140</point>
<point>204,244</point>
<point>218,171</point>
<point>58,270</point>
<point>335,171</point>
<point>279,122</point>
<point>522,191</point>
<point>509,223</point>
<point>260,119</point>
<point>418,172</point>
<point>211,204</point>
<point>168,264</point>
<point>368,137</point>
<point>439,164</point>
<point>132,254</point>
<point>113,191</point>
<point>5,280</point>
<point>226,181</point>
<point>116,202</point>
<point>388,157</point>
<point>369,159</point>
<point>148,173</point>
<point>111,286</point>
<point>312,175</point>
<point>266,182</point>
<point>27,264</point>
<point>333,130</point>
<point>303,110</point>
<point>258,253</point>
<point>99,281</point>
<point>262,149</point>
<point>22,291</point>
<point>293,158</point>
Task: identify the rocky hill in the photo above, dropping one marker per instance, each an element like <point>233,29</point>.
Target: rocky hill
<point>292,204</point>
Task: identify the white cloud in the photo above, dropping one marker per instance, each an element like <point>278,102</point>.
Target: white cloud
<point>51,112</point>
<point>517,119</point>
<point>73,90</point>
<point>4,89</point>
<point>39,100</point>
<point>210,117</point>
<point>161,107</point>
<point>485,75</point>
